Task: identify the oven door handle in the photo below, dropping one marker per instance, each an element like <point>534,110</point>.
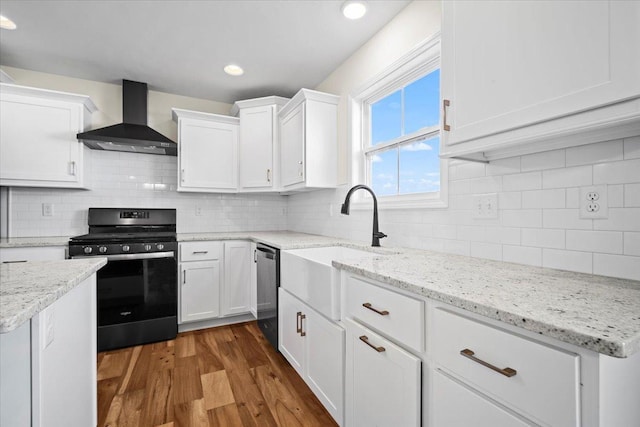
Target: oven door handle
<point>124,257</point>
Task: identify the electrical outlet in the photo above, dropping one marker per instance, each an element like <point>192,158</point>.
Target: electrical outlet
<point>594,202</point>
<point>47,209</point>
<point>198,211</point>
<point>485,206</point>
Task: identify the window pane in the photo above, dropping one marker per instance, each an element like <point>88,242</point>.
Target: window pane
<point>384,172</point>
<point>420,166</point>
<point>386,118</point>
<point>422,103</point>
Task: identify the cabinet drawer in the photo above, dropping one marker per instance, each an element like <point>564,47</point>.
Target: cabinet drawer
<point>200,251</point>
<point>545,384</point>
<point>449,396</point>
<point>391,313</point>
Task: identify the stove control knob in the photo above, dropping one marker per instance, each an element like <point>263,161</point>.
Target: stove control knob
<point>88,250</point>
<point>147,247</point>
<point>102,249</point>
<point>125,248</point>
<point>160,246</point>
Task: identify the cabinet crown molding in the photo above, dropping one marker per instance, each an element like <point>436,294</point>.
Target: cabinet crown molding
<point>278,101</point>
<point>178,113</point>
<point>13,89</point>
<point>309,95</point>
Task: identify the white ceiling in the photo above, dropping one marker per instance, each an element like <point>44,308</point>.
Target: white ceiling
<point>181,46</point>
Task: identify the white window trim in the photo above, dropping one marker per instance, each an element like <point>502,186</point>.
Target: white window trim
<point>419,61</point>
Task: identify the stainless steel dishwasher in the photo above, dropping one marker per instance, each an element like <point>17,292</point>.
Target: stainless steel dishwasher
<point>268,260</point>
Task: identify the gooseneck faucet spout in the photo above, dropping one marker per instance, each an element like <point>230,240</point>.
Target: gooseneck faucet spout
<point>377,235</point>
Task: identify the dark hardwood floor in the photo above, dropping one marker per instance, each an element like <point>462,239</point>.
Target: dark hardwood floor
<point>225,376</point>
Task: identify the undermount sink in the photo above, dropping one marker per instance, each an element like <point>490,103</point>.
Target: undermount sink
<point>308,274</point>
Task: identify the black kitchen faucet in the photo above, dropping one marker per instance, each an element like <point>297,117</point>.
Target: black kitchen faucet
<point>377,235</point>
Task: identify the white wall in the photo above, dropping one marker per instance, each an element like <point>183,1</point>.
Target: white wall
<point>538,218</point>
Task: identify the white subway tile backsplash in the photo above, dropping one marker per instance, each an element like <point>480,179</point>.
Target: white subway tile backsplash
<point>522,181</point>
<point>545,160</point>
<point>505,235</point>
<point>522,255</point>
<point>632,244</point>
<point>531,218</point>
<point>469,170</point>
<point>627,267</point>
<point>472,233</point>
<point>445,231</point>
<point>486,250</point>
<point>595,241</point>
<point>632,148</point>
<point>458,247</point>
<point>615,194</point>
<point>627,171</point>
<point>543,238</point>
<point>620,219</point>
<point>573,198</point>
<point>631,196</point>
<point>555,198</point>
<point>595,153</point>
<point>503,166</point>
<point>532,199</point>
<point>567,177</point>
<point>489,184</point>
<point>508,200</point>
<point>565,219</point>
<point>567,260</point>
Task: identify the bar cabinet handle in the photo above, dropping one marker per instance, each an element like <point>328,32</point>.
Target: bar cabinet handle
<point>302,332</point>
<point>298,322</point>
<point>268,175</point>
<point>200,252</point>
<point>365,340</point>
<point>381,313</point>
<point>507,372</point>
<point>445,104</point>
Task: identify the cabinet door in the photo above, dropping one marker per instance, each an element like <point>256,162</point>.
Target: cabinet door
<point>208,155</point>
<point>290,323</point>
<point>510,64</point>
<point>200,290</point>
<point>256,147</point>
<point>49,253</point>
<point>383,381</point>
<point>237,278</point>
<point>456,405</point>
<point>324,361</point>
<point>292,141</point>
<point>38,141</point>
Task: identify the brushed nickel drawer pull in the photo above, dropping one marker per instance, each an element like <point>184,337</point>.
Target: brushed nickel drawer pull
<point>365,340</point>
<point>200,252</point>
<point>381,313</point>
<point>445,104</point>
<point>302,333</point>
<point>507,372</point>
<point>298,322</point>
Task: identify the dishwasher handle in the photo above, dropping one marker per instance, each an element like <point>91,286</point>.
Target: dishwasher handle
<point>267,253</point>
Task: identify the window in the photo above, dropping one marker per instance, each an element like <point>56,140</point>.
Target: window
<point>396,132</point>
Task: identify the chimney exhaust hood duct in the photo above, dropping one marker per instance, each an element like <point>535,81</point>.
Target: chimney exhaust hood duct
<point>132,135</point>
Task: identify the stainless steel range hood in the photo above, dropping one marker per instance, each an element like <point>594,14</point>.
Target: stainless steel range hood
<point>133,134</point>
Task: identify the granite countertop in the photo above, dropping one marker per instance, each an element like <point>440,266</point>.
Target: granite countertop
<point>278,239</point>
<point>594,312</point>
<point>30,242</point>
<point>26,288</point>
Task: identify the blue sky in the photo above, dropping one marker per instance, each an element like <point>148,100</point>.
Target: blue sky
<point>419,162</point>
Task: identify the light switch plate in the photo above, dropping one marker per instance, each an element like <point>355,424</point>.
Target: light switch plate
<point>485,206</point>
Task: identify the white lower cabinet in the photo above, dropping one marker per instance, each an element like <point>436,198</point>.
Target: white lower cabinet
<point>253,285</point>
<point>314,346</point>
<point>43,253</point>
<point>454,404</point>
<point>383,384</point>
<point>215,280</point>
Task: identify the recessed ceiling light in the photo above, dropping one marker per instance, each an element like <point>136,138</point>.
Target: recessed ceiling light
<point>7,24</point>
<point>233,70</point>
<point>354,9</point>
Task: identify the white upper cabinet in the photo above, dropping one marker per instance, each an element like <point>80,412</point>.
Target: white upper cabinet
<point>530,76</point>
<point>258,142</point>
<point>207,152</point>
<point>38,144</point>
<point>308,141</point>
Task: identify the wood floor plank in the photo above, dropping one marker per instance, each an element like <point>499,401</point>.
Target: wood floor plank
<point>228,376</point>
<point>112,365</point>
<point>187,382</point>
<point>216,389</point>
<point>225,416</point>
<point>191,414</point>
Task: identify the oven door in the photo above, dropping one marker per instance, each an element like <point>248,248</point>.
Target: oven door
<point>137,287</point>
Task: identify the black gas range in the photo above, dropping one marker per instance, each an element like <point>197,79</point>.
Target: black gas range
<point>137,289</point>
